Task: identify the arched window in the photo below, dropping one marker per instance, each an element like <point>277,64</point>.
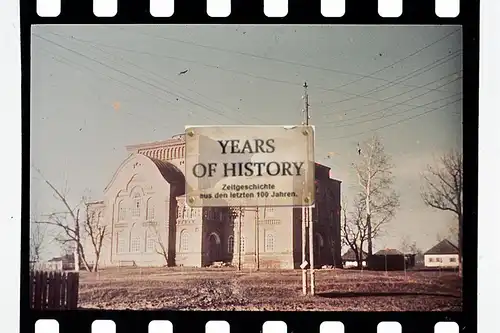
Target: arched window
<point>135,243</point>
<point>121,242</point>
<point>230,244</point>
<point>136,205</point>
<point>269,242</point>
<point>122,211</point>
<point>150,241</point>
<point>184,243</point>
<point>150,209</point>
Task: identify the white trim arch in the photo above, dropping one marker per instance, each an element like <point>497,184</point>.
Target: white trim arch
<point>270,242</point>
<point>230,244</point>
<point>217,237</point>
<point>183,241</point>
<point>319,240</point>
<point>134,165</point>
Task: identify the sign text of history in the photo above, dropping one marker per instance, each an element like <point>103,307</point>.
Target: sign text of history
<point>249,166</point>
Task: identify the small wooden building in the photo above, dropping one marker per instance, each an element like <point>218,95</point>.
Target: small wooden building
<point>390,260</point>
<point>349,259</point>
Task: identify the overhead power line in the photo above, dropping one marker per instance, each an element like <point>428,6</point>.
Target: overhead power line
<point>401,103</point>
<point>132,76</point>
<point>143,69</point>
<point>67,62</point>
<point>392,97</point>
<point>230,70</point>
<point>397,122</point>
<point>397,113</point>
<point>252,55</point>
<point>402,59</point>
<point>405,77</point>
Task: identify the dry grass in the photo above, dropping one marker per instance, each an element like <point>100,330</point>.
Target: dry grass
<point>227,289</point>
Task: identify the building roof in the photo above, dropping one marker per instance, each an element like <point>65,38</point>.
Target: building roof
<point>173,141</point>
<point>170,172</point>
<point>443,247</point>
<point>389,252</point>
<point>95,203</point>
<point>350,255</point>
<point>68,257</point>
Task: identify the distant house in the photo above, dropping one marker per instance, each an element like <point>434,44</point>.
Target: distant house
<point>390,260</point>
<point>349,259</point>
<point>64,263</point>
<point>443,255</point>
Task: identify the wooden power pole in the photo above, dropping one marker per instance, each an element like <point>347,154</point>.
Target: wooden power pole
<point>257,259</point>
<point>304,249</point>
<point>307,217</point>
<point>240,218</point>
<point>311,248</point>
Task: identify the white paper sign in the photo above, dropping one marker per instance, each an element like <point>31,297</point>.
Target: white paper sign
<point>250,166</point>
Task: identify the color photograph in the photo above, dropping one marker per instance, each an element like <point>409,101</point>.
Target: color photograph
<point>359,209</point>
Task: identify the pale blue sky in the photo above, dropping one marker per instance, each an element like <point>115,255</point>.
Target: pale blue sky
<point>248,75</point>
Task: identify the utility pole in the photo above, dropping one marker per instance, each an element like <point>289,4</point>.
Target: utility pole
<point>308,214</point>
<point>304,249</point>
<point>306,106</point>
<point>305,209</point>
<point>311,248</point>
<point>257,259</point>
<point>240,217</point>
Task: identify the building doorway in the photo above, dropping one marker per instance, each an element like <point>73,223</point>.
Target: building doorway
<point>214,248</point>
<point>318,249</point>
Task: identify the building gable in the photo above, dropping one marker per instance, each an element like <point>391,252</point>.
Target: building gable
<point>443,247</point>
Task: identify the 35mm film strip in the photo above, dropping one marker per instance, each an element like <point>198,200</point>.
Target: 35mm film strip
<point>165,326</point>
<point>276,8</point>
<point>112,85</point>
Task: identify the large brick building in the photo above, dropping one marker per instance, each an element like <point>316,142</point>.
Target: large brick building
<point>150,224</point>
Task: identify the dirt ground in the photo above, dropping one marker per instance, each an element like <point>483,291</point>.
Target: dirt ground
<point>228,289</point>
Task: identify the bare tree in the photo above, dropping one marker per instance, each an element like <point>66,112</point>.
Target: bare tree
<point>68,222</point>
<point>405,245</point>
<point>67,248</point>
<point>97,232</point>
<point>409,247</point>
<point>453,232</point>
<point>375,179</point>
<point>443,190</point>
<point>38,235</point>
<point>354,230</point>
<point>160,247</point>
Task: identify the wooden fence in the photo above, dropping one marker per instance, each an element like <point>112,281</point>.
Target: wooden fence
<point>53,290</point>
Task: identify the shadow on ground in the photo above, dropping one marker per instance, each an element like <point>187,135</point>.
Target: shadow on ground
<point>335,294</point>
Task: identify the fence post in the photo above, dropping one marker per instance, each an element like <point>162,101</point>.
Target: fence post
<point>76,289</point>
<point>31,289</point>
<point>53,290</point>
<point>50,291</point>
<point>57,291</point>
<point>72,291</point>
<point>38,291</point>
<point>44,290</point>
<point>64,286</point>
